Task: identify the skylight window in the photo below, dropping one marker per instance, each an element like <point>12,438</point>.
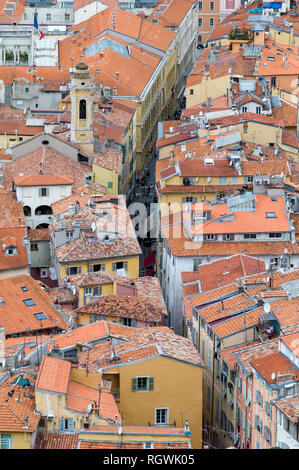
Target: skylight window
<point>40,316</point>
<point>24,289</point>
<point>270,215</point>
<point>29,302</point>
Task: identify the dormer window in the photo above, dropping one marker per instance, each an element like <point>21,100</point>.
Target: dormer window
<point>11,250</point>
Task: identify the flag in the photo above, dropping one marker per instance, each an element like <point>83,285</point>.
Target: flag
<point>35,24</point>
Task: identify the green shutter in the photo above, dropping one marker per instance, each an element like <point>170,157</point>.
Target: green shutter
<point>134,385</point>
<point>151,383</point>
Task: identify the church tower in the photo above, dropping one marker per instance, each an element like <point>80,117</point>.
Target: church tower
<point>82,93</point>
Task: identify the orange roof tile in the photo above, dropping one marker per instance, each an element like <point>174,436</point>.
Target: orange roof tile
<point>275,362</point>
<point>16,317</point>
<point>53,375</point>
<point>44,180</point>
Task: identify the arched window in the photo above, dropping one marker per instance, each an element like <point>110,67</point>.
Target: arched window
<point>27,211</point>
<point>82,109</point>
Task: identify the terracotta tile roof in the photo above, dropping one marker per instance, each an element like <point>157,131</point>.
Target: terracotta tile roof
<point>44,180</point>
<point>287,113</point>
<point>16,317</point>
<point>113,218</point>
<point>60,207</point>
<point>245,355</point>
<point>145,343</point>
<point>246,117</point>
<point>228,270</point>
<point>53,375</point>
<point>84,334</point>
<point>291,341</point>
<point>290,140</point>
<point>12,214</point>
<point>61,295</point>
<point>214,294</point>
<point>286,311</point>
<point>135,67</point>
<point>79,396</point>
<point>289,406</point>
<point>14,236</point>
<point>172,14</point>
<point>150,430</point>
<point>228,356</point>
<point>13,412</point>
<point>9,126</point>
<point>233,325</point>
<point>121,306</point>
<point>53,163</point>
<point>38,234</point>
<point>56,440</point>
<point>226,308</point>
<point>275,362</point>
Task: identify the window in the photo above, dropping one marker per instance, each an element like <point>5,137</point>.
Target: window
<point>228,236</point>
<point>200,6</point>
<point>82,109</point>
<point>148,445</point>
<point>69,234</point>
<point>248,179</point>
<point>11,250</point>
<point>48,17</point>
<point>34,247</point>
<point>196,263</point>
<point>270,215</point>
<point>120,265</point>
<point>210,236</point>
<point>142,384</point>
<point>273,81</point>
<point>212,6</point>
<point>97,267</point>
<point>244,109</point>
<point>110,185</point>
<point>274,235</point>
<point>5,441</point>
<point>43,192</point>
<point>199,24</point>
<point>210,359</point>
<point>67,17</point>
<point>97,290</point>
<point>73,270</point>
<point>203,349</point>
<point>40,316</point>
<point>199,39</point>
<point>66,425</point>
<point>211,22</point>
<point>29,302</point>
<point>161,416</point>
<point>258,110</point>
<point>24,289</point>
<point>27,90</point>
<point>249,235</point>
<point>87,290</point>
<point>222,180</point>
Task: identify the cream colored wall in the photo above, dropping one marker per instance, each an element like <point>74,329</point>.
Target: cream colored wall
<point>14,272</point>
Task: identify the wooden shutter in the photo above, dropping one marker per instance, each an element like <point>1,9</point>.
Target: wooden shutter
<point>61,425</point>
<point>134,385</point>
<point>151,383</point>
<point>125,264</point>
<point>71,425</point>
<point>113,266</point>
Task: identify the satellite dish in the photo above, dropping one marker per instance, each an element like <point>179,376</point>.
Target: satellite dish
<point>89,408</point>
<point>273,376</point>
<point>267,307</point>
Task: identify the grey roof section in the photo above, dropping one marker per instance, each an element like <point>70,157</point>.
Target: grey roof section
<point>252,51</point>
<point>258,27</point>
<point>247,85</point>
<point>292,287</point>
<point>227,139</point>
<point>264,19</point>
<point>275,100</point>
<point>107,43</point>
<point>243,202</point>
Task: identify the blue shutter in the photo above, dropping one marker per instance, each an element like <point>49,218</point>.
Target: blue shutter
<point>71,425</point>
<point>61,425</point>
<point>256,396</point>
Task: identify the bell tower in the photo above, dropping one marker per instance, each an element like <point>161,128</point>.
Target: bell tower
<point>82,93</point>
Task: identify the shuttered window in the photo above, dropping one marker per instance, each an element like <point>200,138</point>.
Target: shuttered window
<point>5,441</point>
<point>142,384</point>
